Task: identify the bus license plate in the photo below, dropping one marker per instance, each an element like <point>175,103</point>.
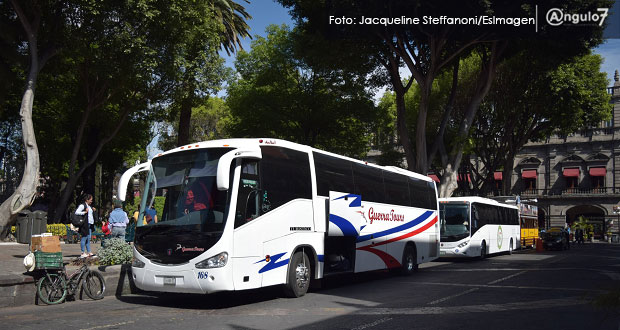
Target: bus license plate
<point>442,253</point>
<point>169,280</point>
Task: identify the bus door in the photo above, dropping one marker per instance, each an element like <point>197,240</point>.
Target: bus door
<point>247,242</point>
<point>343,227</point>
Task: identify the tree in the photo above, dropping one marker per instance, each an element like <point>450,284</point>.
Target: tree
<point>427,50</point>
<point>201,68</point>
<point>279,94</point>
<point>123,62</point>
<point>34,24</point>
<point>530,105</point>
<point>209,121</point>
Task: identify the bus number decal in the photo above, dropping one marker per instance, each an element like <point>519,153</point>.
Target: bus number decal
<point>203,275</point>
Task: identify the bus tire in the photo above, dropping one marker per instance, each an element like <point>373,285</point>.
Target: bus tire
<point>299,276</point>
<point>510,247</point>
<point>483,250</point>
<point>410,258</point>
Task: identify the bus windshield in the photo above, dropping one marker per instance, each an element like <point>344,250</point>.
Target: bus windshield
<point>454,219</point>
<point>182,212</point>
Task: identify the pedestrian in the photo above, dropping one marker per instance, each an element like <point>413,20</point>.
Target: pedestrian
<point>87,227</point>
<point>118,221</point>
<point>579,235</point>
<point>150,216</point>
<point>568,238</point>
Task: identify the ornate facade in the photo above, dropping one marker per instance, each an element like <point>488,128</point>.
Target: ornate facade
<point>575,175</point>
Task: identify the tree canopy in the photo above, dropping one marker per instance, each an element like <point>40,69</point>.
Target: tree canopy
<point>279,94</point>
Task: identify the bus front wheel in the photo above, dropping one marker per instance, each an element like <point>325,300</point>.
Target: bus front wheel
<point>483,250</point>
<point>299,274</point>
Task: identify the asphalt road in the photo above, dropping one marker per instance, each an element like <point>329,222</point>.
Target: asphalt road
<point>526,290</point>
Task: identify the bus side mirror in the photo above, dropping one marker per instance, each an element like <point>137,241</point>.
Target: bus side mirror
<point>122,184</point>
<point>223,165</point>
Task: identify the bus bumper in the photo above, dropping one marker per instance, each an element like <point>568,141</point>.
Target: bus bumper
<point>183,278</point>
<point>456,252</point>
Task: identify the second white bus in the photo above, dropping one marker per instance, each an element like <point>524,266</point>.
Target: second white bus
<point>477,227</point>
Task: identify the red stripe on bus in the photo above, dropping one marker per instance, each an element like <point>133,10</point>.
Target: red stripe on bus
<point>389,261</point>
<point>413,233</point>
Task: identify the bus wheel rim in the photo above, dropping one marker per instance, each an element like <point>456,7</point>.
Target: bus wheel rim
<point>301,275</point>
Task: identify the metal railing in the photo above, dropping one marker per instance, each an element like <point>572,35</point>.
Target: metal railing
<point>559,192</point>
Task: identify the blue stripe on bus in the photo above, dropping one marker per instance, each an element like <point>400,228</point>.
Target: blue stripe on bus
<point>345,226</point>
<point>320,257</point>
<point>273,263</point>
<point>402,227</point>
<point>356,202</point>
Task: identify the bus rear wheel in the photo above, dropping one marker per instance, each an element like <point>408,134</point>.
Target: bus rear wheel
<point>299,275</point>
<point>510,247</point>
<point>410,264</point>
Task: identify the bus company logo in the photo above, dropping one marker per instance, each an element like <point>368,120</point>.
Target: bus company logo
<point>378,216</point>
<point>500,237</point>
<point>185,249</point>
<point>557,17</point>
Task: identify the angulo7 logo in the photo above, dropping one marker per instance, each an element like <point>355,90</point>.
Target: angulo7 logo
<point>557,17</point>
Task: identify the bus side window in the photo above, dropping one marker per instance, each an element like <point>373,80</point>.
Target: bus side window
<point>474,216</point>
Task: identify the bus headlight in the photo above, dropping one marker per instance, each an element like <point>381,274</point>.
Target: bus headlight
<point>464,244</point>
<point>216,261</point>
<point>137,263</point>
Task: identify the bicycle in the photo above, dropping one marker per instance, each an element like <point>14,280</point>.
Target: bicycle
<point>54,287</point>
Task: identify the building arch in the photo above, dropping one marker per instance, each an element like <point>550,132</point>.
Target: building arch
<point>530,162</point>
<point>593,214</point>
<point>598,157</point>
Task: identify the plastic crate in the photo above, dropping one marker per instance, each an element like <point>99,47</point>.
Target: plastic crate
<point>48,260</point>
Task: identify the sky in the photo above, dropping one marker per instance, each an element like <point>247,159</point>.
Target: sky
<point>266,12</point>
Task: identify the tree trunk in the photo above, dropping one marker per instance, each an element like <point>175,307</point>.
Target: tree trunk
<point>401,127</point>
<point>420,133</point>
<point>185,118</point>
<point>25,192</point>
<point>484,82</point>
<point>507,175</point>
<point>448,183</point>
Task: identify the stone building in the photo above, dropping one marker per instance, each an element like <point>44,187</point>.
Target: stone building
<point>576,175</point>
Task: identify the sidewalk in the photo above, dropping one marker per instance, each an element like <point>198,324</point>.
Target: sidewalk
<point>17,287</point>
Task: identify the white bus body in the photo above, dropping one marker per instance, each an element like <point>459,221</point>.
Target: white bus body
<point>274,212</point>
<point>476,227</point>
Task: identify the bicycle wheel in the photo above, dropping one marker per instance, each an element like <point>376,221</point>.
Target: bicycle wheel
<point>52,288</point>
<point>94,285</point>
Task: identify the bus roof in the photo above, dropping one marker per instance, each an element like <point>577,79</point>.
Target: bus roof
<point>475,199</point>
<point>254,143</point>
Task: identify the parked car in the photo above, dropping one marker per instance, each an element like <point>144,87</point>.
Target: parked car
<point>555,238</point>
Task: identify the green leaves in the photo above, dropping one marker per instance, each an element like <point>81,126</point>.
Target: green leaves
<point>115,252</point>
<point>281,95</point>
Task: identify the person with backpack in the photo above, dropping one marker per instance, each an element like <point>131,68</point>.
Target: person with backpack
<point>85,226</point>
<point>118,220</point>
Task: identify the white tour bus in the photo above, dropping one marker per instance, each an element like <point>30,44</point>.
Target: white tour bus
<point>249,213</point>
<point>476,227</point>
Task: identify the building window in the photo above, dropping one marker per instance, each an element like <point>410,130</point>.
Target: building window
<point>529,181</point>
<point>597,178</point>
<point>571,175</point>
